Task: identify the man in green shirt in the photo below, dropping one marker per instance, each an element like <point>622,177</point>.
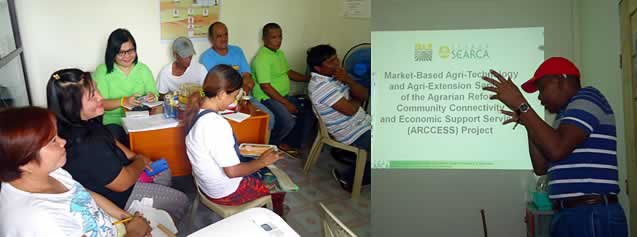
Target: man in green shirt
<point>273,74</point>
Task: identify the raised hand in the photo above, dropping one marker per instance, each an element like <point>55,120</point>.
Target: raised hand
<point>505,91</point>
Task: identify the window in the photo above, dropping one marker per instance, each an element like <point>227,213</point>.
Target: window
<point>14,89</point>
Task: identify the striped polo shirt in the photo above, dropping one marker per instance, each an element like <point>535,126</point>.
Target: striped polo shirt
<point>592,166</point>
<point>325,92</point>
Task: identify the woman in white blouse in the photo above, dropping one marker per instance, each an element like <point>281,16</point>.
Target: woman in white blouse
<point>38,197</point>
<point>211,146</point>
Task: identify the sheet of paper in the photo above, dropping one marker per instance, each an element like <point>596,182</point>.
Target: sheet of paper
<point>227,111</point>
<point>357,8</point>
<point>237,117</point>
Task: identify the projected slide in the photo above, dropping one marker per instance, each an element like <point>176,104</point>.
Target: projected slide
<point>428,107</point>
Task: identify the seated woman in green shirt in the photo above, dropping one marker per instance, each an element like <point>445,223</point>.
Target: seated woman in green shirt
<point>121,79</point>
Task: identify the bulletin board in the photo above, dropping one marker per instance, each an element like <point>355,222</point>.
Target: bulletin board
<point>188,18</point>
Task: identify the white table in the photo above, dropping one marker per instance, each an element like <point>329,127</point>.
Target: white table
<point>254,222</point>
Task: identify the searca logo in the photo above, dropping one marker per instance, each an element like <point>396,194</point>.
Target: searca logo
<point>464,52</point>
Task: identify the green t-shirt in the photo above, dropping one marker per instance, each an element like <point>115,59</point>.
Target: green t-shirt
<point>116,85</point>
<point>270,67</point>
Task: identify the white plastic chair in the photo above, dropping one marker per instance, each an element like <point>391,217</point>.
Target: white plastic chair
<point>332,226</point>
<point>323,137</point>
<point>223,210</point>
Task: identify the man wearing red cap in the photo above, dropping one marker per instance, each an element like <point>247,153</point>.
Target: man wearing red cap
<point>579,152</point>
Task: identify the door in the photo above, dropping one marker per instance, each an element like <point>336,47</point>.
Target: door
<point>628,21</point>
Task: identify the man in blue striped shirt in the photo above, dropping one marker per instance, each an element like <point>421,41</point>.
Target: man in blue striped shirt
<point>578,153</point>
<point>337,99</point>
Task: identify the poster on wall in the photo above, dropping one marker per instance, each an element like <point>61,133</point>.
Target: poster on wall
<point>189,18</point>
<point>357,8</point>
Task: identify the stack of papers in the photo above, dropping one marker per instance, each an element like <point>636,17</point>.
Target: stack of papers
<point>137,114</point>
<point>149,104</point>
<point>153,122</point>
<point>153,104</point>
<point>146,103</point>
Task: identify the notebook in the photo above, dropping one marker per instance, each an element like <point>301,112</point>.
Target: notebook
<point>154,215</point>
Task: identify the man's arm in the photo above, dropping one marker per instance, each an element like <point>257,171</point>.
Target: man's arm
<point>553,144</point>
<point>248,82</point>
<point>244,69</point>
<point>347,107</point>
<point>540,164</point>
<point>273,94</point>
<point>297,76</point>
<point>356,90</point>
<point>331,96</point>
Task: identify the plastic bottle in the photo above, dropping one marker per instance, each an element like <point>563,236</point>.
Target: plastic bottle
<point>168,106</point>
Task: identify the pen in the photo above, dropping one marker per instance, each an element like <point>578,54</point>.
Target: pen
<point>127,219</point>
<point>228,113</point>
<point>516,123</point>
<point>165,230</point>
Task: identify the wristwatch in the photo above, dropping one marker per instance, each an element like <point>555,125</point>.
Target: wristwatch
<point>523,108</point>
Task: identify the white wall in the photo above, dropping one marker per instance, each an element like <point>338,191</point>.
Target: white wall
<point>66,33</point>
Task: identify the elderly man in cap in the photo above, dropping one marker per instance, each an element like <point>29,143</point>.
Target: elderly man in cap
<point>182,70</point>
<point>578,152</point>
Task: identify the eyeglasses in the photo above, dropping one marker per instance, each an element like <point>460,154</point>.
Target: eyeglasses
<point>127,52</point>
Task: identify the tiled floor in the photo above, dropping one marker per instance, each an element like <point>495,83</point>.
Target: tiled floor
<point>304,217</point>
<point>320,186</point>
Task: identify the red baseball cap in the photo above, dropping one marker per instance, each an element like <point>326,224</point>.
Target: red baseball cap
<point>551,66</point>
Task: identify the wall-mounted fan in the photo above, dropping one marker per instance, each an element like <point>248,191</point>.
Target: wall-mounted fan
<point>358,63</point>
